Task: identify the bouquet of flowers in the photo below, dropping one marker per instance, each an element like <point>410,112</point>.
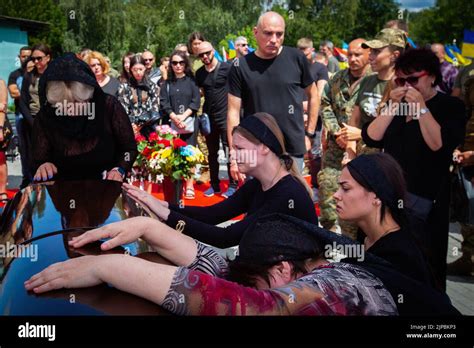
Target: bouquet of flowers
<point>164,154</point>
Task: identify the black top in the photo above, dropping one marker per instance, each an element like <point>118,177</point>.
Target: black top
<point>183,94</point>
<point>288,196</point>
<point>80,159</point>
<point>13,79</point>
<point>400,249</point>
<point>215,93</point>
<point>319,72</point>
<point>81,147</point>
<point>275,86</point>
<point>424,169</point>
<point>112,87</point>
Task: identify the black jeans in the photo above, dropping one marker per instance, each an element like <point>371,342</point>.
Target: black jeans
<point>218,132</point>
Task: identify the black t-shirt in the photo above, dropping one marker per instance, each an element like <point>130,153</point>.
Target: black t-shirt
<point>287,196</point>
<point>400,249</point>
<point>275,86</point>
<point>426,171</point>
<point>215,93</point>
<point>13,80</point>
<point>112,87</point>
<point>319,72</point>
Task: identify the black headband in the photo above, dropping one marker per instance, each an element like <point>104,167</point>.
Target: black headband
<point>367,169</point>
<point>260,131</point>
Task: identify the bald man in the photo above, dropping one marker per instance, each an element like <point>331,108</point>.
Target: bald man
<point>448,71</point>
<point>336,103</point>
<point>273,79</point>
<point>212,79</point>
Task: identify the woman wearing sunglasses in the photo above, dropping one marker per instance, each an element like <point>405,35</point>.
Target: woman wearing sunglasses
<point>29,101</point>
<point>180,100</point>
<point>420,127</point>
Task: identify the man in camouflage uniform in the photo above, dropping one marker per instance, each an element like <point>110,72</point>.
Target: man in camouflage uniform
<point>465,156</point>
<point>336,104</point>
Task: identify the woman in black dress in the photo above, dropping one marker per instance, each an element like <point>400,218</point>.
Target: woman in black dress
<point>180,100</point>
<point>420,127</point>
<point>80,132</point>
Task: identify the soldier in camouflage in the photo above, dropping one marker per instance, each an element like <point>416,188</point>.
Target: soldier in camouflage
<point>336,104</point>
<point>465,156</point>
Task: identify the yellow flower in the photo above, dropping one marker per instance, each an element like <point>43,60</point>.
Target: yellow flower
<point>166,152</point>
<point>155,154</point>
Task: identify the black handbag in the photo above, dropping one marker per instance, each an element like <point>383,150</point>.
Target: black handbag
<point>459,203</point>
<point>418,206</point>
<point>7,135</point>
<point>204,124</point>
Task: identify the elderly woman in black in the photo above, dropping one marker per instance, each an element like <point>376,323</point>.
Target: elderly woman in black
<point>180,101</point>
<point>80,132</point>
<point>420,128</point>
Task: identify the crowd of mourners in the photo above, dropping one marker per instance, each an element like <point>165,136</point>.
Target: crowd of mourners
<point>379,140</point>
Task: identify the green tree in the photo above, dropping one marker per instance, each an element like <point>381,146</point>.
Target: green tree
<point>40,10</point>
<point>444,22</point>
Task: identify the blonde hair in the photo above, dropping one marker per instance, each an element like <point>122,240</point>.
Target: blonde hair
<point>272,124</point>
<point>99,56</point>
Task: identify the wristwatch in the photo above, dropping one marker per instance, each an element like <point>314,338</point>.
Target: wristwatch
<point>423,111</point>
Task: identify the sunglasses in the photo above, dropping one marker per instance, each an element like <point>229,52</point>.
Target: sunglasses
<point>148,60</point>
<point>39,59</point>
<point>242,44</point>
<point>201,55</point>
<point>411,80</point>
<point>175,62</point>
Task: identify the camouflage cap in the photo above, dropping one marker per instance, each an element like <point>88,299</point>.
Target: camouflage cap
<point>386,37</point>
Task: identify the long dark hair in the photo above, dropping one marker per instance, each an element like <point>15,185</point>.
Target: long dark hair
<point>194,36</point>
<point>124,75</point>
<point>187,67</point>
<point>138,59</point>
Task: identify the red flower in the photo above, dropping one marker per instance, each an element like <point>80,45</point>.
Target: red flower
<point>177,142</point>
<point>146,152</point>
<point>164,142</point>
<point>139,137</point>
<point>153,136</point>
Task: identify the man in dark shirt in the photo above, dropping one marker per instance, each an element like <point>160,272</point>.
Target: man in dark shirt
<point>271,79</point>
<point>14,87</point>
<point>212,79</point>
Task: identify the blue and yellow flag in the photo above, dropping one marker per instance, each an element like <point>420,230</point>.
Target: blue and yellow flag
<point>468,44</point>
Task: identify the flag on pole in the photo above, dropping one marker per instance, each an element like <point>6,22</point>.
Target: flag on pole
<point>232,51</point>
<point>468,44</point>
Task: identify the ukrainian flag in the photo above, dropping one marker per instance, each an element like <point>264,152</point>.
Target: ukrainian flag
<point>468,44</point>
<point>232,52</point>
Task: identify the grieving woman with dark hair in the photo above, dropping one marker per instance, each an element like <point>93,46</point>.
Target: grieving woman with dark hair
<point>140,97</point>
<point>420,128</point>
<point>281,268</point>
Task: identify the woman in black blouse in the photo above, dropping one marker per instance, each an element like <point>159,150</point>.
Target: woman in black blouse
<point>420,128</point>
<point>80,132</point>
<point>30,103</point>
<point>180,100</point>
<point>140,98</point>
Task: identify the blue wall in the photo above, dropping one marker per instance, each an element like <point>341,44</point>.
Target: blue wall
<point>11,40</point>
